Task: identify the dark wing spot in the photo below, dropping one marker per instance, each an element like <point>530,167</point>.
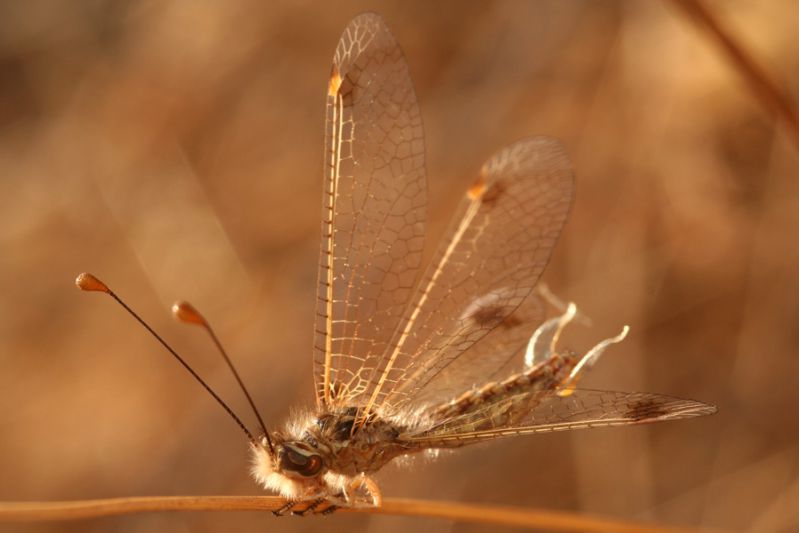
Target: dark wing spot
<point>491,316</point>
<point>493,193</point>
<point>646,409</point>
<point>488,316</point>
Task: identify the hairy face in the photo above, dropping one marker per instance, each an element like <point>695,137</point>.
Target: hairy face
<point>295,470</point>
<point>298,460</point>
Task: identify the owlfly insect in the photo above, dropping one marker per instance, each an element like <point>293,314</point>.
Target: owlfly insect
<point>405,364</point>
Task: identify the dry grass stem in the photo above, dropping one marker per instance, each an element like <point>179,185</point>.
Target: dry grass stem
<point>765,88</point>
<point>495,515</point>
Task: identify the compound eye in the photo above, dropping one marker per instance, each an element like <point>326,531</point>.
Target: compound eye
<point>313,466</point>
<point>304,465</point>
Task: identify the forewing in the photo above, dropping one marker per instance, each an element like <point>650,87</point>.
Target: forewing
<point>373,207</point>
<point>494,253</point>
<point>583,408</point>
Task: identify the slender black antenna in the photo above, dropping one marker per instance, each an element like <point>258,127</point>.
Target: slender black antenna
<point>185,312</point>
<point>87,282</point>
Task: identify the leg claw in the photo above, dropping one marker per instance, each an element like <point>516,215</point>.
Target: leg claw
<point>281,511</point>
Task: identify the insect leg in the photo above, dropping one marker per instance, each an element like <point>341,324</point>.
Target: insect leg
<point>374,491</point>
<point>310,508</point>
<point>281,511</point>
<point>365,490</point>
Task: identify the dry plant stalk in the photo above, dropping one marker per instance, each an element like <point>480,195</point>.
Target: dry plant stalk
<point>485,514</point>
<point>764,87</point>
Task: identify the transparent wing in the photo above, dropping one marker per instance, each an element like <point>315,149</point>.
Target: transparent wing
<point>373,207</point>
<point>540,413</point>
<point>495,252</point>
<point>496,356</point>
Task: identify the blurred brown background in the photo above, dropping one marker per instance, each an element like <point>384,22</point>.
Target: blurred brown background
<point>175,150</point>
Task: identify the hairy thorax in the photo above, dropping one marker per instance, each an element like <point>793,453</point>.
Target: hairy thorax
<point>350,452</point>
<point>327,455</point>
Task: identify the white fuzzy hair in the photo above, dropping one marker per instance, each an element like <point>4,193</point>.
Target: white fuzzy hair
<point>264,472</point>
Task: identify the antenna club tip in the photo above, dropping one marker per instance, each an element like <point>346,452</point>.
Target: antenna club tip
<point>87,282</point>
<point>185,312</point>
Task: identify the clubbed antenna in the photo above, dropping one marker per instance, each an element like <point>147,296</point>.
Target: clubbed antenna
<point>185,312</point>
<point>87,282</point>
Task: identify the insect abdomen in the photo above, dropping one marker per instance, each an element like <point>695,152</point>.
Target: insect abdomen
<point>499,403</point>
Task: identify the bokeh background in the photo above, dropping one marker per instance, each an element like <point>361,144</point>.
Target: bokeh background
<point>175,150</point>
